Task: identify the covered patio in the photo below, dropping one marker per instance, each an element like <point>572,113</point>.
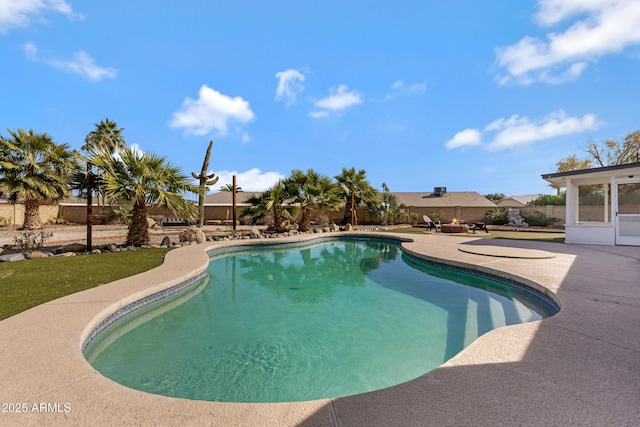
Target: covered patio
<point>603,204</point>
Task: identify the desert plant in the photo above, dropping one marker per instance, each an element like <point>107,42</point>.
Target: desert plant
<point>537,218</point>
<point>122,214</point>
<point>204,180</point>
<point>4,221</point>
<point>414,218</point>
<point>31,240</point>
<point>323,220</point>
<point>498,216</point>
<point>436,216</point>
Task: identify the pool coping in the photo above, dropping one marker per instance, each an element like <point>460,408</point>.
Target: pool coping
<point>45,370</point>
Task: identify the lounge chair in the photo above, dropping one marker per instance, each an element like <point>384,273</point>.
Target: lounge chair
<point>481,225</point>
<point>431,224</point>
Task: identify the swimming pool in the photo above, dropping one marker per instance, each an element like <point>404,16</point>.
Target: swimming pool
<point>307,321</point>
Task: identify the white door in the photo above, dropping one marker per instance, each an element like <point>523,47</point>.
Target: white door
<point>628,213</point>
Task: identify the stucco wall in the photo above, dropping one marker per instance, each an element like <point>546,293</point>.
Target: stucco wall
<point>14,213</point>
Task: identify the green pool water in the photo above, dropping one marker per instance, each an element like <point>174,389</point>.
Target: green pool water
<point>300,323</point>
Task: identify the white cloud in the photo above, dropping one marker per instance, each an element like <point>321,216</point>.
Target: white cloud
<point>609,27</point>
<point>409,89</point>
<point>517,131</point>
<point>465,138</point>
<point>20,13</point>
<point>211,111</point>
<point>81,63</point>
<point>289,85</point>
<point>319,114</point>
<point>520,131</point>
<point>251,180</point>
<point>338,99</point>
<point>401,89</point>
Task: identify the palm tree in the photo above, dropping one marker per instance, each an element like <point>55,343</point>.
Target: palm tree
<point>350,181</point>
<point>35,169</point>
<point>143,178</point>
<point>107,137</point>
<point>311,192</point>
<point>229,187</point>
<point>272,201</point>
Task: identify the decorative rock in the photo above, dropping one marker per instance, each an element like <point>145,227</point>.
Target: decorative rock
<point>66,254</point>
<point>12,257</point>
<point>200,236</point>
<point>151,223</point>
<point>96,251</point>
<point>72,247</point>
<point>111,247</point>
<point>36,255</point>
<point>333,227</point>
<point>348,227</point>
<point>166,241</point>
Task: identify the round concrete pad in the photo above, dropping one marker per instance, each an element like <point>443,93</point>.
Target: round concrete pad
<point>506,252</point>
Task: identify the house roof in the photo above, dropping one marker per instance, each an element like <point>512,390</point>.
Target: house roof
<point>449,199</point>
<point>594,175</point>
<point>413,199</point>
<point>518,200</point>
<point>225,198</point>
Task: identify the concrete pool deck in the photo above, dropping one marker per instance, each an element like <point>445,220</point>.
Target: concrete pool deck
<point>579,367</point>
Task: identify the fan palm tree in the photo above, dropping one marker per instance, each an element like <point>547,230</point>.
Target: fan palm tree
<point>35,169</point>
<point>229,187</point>
<point>272,201</point>
<point>107,137</point>
<point>312,192</point>
<point>350,181</point>
<point>143,178</point>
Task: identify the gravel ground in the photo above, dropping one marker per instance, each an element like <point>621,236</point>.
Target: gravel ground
<point>101,234</point>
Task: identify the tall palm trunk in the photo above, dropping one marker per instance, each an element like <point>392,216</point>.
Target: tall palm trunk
<point>32,214</point>
<point>138,231</point>
<point>305,221</point>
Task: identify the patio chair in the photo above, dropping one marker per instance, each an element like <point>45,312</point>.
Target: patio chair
<point>481,225</point>
<point>431,224</point>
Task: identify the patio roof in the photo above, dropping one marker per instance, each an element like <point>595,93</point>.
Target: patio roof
<point>594,175</point>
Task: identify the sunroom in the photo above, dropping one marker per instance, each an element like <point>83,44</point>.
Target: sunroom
<point>603,204</point>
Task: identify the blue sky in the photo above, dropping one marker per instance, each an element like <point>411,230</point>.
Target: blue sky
<point>474,96</point>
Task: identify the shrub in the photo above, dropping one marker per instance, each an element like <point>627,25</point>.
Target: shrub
<point>122,214</point>
<point>544,200</point>
<point>436,216</point>
<point>414,218</point>
<point>537,218</point>
<point>4,221</point>
<point>498,216</point>
<point>30,240</point>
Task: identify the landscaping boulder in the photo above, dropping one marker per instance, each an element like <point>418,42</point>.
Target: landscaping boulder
<point>200,236</point>
<point>166,241</point>
<point>36,255</point>
<point>72,247</point>
<point>12,257</point>
<point>151,223</point>
<point>348,227</point>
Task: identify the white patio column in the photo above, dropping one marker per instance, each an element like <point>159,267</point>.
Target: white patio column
<point>572,202</point>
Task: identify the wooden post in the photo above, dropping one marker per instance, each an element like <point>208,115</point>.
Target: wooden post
<point>89,184</point>
<point>234,203</point>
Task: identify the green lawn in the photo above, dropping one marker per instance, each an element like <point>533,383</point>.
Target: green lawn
<point>25,284</point>
<point>496,234</point>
